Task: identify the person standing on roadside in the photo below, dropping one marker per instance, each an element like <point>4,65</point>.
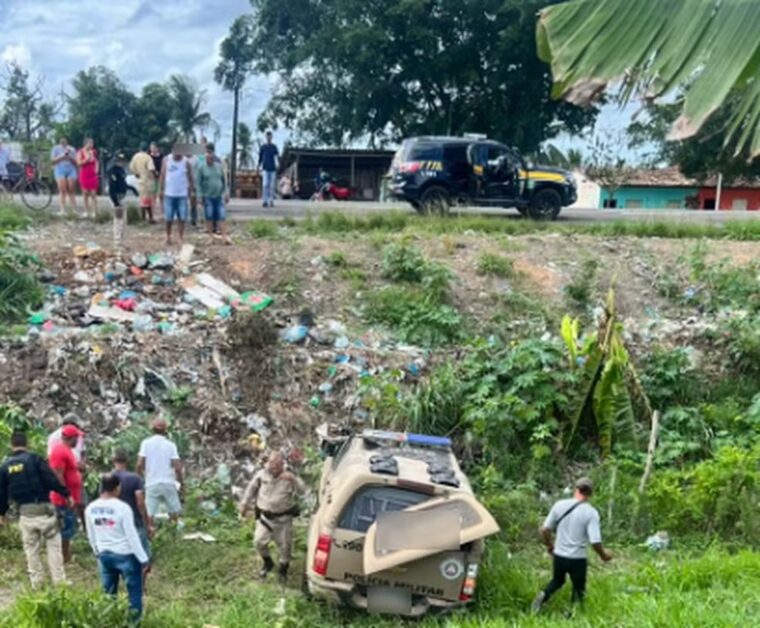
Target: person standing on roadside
<point>158,159</point>
<point>26,479</point>
<point>89,176</point>
<point>132,493</point>
<point>113,537</point>
<point>64,160</point>
<point>117,190</point>
<point>143,167</point>
<point>176,185</point>
<point>64,465</point>
<point>268,158</point>
<point>158,461</point>
<point>273,492</point>
<point>576,524</point>
<point>212,190</point>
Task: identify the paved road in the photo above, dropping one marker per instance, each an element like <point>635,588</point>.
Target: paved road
<point>243,209</point>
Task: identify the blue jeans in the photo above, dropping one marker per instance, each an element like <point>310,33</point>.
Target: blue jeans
<point>68,521</point>
<point>268,182</point>
<point>175,206</point>
<point>112,566</point>
<point>214,208</point>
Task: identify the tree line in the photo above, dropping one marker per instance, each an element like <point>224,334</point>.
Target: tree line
<point>101,106</point>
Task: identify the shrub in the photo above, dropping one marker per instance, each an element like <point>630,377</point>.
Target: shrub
<point>337,259</point>
<point>262,228</point>
<point>717,496</point>
<point>580,290</point>
<point>67,607</point>
<point>490,264</point>
<point>19,288</point>
<point>416,318</point>
<point>403,263</point>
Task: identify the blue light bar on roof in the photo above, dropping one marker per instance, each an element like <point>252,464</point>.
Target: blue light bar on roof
<point>428,441</point>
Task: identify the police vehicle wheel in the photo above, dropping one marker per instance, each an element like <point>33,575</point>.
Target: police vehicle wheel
<point>545,205</point>
<point>435,200</point>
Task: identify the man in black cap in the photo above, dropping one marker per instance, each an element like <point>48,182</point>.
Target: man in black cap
<point>26,479</point>
<point>576,525</point>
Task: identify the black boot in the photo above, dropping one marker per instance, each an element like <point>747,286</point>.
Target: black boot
<point>266,567</point>
<point>283,573</point>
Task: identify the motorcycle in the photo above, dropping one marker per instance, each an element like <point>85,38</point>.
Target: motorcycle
<point>330,191</point>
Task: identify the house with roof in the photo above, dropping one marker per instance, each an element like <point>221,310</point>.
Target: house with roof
<point>667,188</point>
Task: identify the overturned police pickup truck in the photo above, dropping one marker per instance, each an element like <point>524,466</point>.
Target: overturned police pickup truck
<point>398,528</point>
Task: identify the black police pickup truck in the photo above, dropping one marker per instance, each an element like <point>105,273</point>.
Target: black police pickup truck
<point>433,173</point>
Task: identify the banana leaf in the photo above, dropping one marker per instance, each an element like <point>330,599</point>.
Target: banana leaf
<point>707,49</point>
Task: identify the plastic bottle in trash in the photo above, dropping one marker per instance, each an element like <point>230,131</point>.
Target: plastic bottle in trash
<point>143,322</point>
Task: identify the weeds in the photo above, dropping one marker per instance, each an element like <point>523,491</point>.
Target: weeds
<point>263,229</point>
<point>580,290</point>
<point>336,259</point>
<point>19,289</point>
<point>496,265</point>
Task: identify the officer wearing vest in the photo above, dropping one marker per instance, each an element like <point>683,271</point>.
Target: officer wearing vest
<point>26,479</point>
<point>273,492</point>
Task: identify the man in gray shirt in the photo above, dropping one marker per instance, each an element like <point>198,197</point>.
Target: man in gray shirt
<point>576,525</point>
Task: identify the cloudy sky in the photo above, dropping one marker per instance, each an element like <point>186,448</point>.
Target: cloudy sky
<point>144,41</point>
<point>140,40</point>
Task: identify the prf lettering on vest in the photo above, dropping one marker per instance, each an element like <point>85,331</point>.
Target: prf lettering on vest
<point>16,468</point>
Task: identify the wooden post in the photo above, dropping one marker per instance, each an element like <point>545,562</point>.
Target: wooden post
<point>611,502</point>
<point>650,450</point>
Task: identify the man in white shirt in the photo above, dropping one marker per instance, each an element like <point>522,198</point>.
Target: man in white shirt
<point>158,461</point>
<point>576,525</point>
<point>113,537</point>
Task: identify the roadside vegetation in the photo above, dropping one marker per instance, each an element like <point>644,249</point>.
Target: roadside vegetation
<point>534,389</point>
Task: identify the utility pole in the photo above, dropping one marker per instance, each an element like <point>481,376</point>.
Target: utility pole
<point>233,156</point>
<point>718,192</point>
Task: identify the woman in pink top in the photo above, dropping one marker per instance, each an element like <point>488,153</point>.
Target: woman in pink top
<point>89,181</point>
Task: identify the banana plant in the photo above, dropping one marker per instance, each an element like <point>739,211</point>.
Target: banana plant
<point>707,50</point>
<point>606,404</point>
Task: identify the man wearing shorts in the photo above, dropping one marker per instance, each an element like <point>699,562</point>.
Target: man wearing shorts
<point>175,187</point>
<point>212,190</point>
<point>64,465</point>
<point>142,166</point>
<point>158,460</point>
<point>64,159</point>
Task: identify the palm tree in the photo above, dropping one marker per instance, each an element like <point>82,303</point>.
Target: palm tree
<point>188,101</point>
<point>236,58</point>
<point>245,145</point>
<point>707,49</point>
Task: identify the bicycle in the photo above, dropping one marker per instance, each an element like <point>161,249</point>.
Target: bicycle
<point>35,192</point>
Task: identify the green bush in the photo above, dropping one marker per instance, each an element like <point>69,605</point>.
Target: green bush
<point>715,497</point>
<point>65,607</point>
<point>13,218</point>
<point>262,228</point>
<point>402,262</point>
<point>19,289</point>
<point>580,290</point>
<point>490,264</point>
<point>416,318</point>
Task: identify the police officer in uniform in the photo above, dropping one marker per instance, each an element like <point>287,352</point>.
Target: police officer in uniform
<point>26,479</point>
<point>273,492</point>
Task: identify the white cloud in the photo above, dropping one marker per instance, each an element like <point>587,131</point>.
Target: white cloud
<point>141,40</point>
<point>17,53</point>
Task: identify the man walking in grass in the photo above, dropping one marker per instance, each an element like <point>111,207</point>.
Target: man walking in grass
<point>575,523</point>
<point>158,460</point>
<point>27,480</point>
<point>113,537</point>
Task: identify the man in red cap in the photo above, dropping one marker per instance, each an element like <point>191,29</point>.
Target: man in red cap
<point>64,464</point>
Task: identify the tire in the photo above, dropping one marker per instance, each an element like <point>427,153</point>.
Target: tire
<point>545,205</point>
<point>416,206</point>
<point>435,200</point>
<point>36,195</point>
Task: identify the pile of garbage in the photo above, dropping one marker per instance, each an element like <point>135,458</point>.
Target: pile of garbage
<point>146,292</point>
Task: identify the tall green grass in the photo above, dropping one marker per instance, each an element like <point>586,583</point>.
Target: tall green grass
<point>397,221</point>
